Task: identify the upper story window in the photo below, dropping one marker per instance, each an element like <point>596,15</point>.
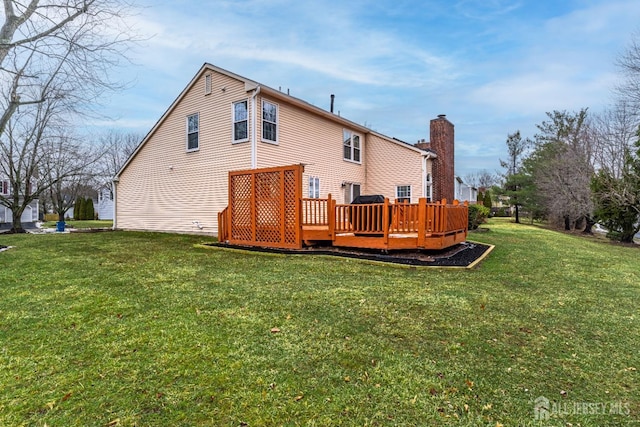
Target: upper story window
<point>193,131</point>
<point>269,121</point>
<point>403,193</point>
<point>314,187</point>
<point>240,122</point>
<point>4,188</point>
<point>351,146</point>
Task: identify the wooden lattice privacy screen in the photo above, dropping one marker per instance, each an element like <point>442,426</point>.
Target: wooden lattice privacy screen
<point>264,207</point>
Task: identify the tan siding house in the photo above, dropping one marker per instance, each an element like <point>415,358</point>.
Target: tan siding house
<point>178,177</point>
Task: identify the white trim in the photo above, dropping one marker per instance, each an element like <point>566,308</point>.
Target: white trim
<point>404,197</point>
<point>276,123</point>
<point>313,188</point>
<point>190,150</point>
<point>115,202</point>
<point>233,122</point>
<point>254,128</point>
<point>352,148</point>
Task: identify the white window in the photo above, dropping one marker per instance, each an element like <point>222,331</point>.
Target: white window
<point>351,146</point>
<point>269,122</point>
<point>351,191</point>
<point>4,188</point>
<point>403,193</point>
<point>428,192</point>
<point>314,187</point>
<point>207,84</point>
<point>193,130</point>
<point>240,122</point>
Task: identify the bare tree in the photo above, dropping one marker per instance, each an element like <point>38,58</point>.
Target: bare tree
<point>563,166</point>
<point>629,65</point>
<point>614,133</point>
<point>55,59</point>
<point>482,179</point>
<point>68,169</point>
<point>118,147</point>
<point>21,145</point>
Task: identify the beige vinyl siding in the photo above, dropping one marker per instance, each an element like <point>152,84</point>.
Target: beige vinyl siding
<point>389,164</point>
<point>166,188</point>
<point>304,137</point>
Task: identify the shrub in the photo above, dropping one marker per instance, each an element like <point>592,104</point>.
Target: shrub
<point>78,208</point>
<point>486,200</point>
<point>477,215</point>
<point>88,209</point>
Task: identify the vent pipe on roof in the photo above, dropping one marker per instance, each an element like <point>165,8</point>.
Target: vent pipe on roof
<point>333,97</point>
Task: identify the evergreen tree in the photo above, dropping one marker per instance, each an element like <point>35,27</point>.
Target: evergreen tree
<point>89,209</point>
<point>78,208</point>
<point>486,200</point>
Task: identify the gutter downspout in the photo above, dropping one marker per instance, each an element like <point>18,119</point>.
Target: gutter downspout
<point>254,129</point>
<point>115,203</point>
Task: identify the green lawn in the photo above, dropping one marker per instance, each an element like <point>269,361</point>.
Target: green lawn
<point>144,329</point>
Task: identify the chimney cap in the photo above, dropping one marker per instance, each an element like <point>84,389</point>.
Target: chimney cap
<point>442,116</point>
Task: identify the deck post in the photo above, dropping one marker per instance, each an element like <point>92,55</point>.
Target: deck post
<point>331,216</point>
<point>253,208</point>
<point>282,208</point>
<point>422,220</point>
<point>443,216</point>
<point>385,221</point>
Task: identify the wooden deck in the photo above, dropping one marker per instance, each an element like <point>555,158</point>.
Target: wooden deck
<point>266,210</point>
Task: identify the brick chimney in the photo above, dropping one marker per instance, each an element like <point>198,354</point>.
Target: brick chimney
<point>442,142</point>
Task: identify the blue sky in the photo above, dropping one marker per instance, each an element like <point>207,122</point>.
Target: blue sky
<point>492,66</point>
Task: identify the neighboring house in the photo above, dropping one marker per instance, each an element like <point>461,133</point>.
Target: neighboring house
<point>30,214</point>
<point>104,205</point>
<point>177,179</point>
<point>465,192</point>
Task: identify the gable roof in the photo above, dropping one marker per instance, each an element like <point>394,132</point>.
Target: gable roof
<point>251,85</point>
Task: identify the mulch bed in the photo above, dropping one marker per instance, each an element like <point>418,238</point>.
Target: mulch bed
<point>461,255</point>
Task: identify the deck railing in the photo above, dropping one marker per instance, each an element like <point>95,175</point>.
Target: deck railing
<point>315,211</point>
<point>223,225</point>
<point>380,218</point>
<point>383,220</point>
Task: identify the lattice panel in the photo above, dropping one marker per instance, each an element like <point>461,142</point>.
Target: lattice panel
<point>268,209</point>
<point>264,207</point>
<point>241,195</point>
<point>290,207</point>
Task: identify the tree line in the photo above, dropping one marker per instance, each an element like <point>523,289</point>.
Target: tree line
<point>580,168</point>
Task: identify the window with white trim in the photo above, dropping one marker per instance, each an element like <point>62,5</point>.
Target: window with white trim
<point>240,121</point>
<point>428,193</point>
<point>314,187</point>
<point>269,121</point>
<point>4,188</point>
<point>351,146</point>
<point>193,131</point>
<point>403,193</point>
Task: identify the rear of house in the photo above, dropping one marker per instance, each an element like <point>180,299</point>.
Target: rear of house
<point>177,180</point>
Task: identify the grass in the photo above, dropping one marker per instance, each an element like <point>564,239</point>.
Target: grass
<point>72,223</point>
<point>143,329</point>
